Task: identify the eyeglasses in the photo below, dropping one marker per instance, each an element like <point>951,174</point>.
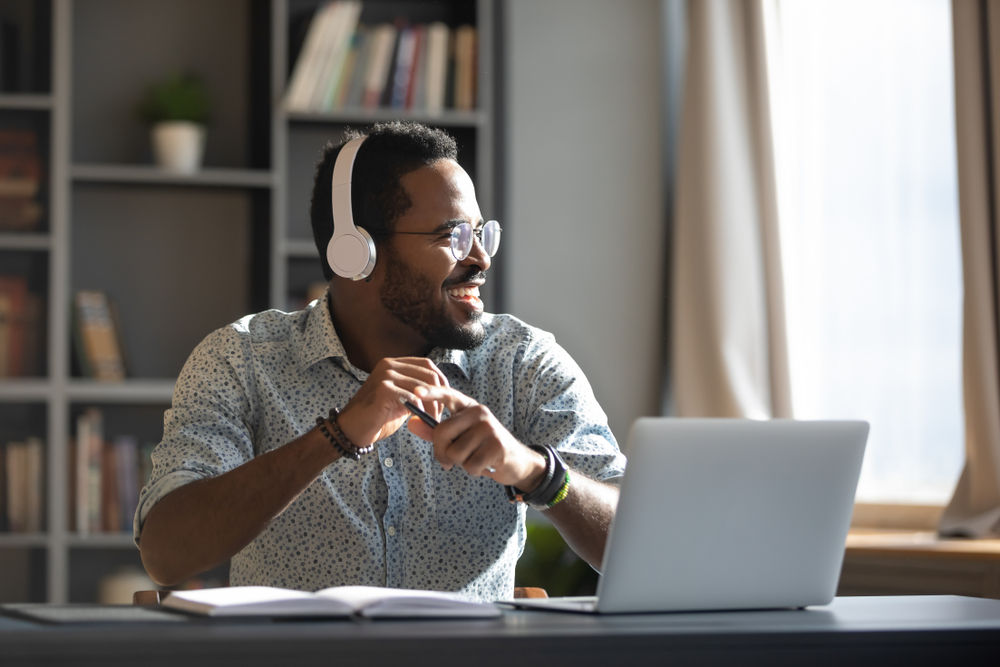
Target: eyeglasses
<point>462,236</point>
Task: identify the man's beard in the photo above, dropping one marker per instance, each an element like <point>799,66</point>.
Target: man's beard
<point>408,296</point>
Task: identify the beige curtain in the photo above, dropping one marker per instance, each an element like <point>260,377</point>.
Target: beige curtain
<point>975,508</point>
<point>728,344</point>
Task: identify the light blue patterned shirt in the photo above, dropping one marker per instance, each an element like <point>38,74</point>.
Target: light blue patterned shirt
<point>397,518</point>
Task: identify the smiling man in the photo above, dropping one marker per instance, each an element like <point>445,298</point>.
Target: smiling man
<point>288,448</point>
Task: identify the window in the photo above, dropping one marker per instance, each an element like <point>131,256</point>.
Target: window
<point>863,113</point>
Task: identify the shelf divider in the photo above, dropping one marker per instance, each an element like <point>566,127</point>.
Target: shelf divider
<point>366,116</point>
<point>29,101</point>
<point>150,175</point>
<point>141,391</point>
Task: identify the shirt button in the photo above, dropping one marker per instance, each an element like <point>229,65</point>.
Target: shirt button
<point>388,462</point>
<point>390,531</point>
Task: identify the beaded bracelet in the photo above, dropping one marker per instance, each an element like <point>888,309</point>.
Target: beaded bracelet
<point>334,421</point>
<point>341,442</point>
<point>336,443</point>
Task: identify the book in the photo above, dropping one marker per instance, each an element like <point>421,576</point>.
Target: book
<point>356,91</point>
<point>365,601</point>
<point>405,54</point>
<point>379,64</point>
<point>89,468</point>
<point>342,42</point>
<point>17,468</point>
<point>465,68</point>
<point>126,455</point>
<point>14,311</point>
<point>111,509</point>
<point>20,180</point>
<point>436,72</point>
<point>98,344</point>
<point>34,485</point>
<point>415,94</point>
<point>304,74</point>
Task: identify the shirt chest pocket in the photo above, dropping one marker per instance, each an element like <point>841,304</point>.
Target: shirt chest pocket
<point>472,505</point>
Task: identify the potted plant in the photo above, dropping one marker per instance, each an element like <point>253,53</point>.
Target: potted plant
<point>178,111</point>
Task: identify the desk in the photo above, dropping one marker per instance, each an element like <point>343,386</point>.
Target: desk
<point>851,631</point>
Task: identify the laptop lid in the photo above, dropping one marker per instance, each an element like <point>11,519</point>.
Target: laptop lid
<point>731,514</point>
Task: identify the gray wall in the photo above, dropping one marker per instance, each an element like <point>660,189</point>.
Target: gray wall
<point>585,189</point>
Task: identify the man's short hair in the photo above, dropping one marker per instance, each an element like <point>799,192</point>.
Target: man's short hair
<point>391,151</point>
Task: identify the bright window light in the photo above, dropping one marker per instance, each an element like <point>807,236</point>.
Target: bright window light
<point>864,124</point>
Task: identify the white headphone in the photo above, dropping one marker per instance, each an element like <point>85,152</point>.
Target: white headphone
<point>351,252</point>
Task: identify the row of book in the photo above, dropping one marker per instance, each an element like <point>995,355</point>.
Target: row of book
<point>21,330</point>
<point>345,65</point>
<point>20,180</point>
<point>108,475</point>
<point>22,474</point>
<point>97,337</point>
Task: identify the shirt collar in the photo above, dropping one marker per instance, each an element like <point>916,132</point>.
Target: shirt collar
<point>320,341</point>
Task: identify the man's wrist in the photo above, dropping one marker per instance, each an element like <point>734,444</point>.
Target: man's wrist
<point>537,475</point>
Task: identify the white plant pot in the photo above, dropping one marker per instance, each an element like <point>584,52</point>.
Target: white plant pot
<point>179,146</point>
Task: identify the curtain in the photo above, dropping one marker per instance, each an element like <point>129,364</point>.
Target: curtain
<point>974,509</point>
<point>728,351</point>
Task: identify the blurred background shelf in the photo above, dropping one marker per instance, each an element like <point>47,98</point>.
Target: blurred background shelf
<point>150,175</point>
<point>25,101</point>
<point>25,241</point>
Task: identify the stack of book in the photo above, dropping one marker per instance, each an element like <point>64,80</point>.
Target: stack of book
<point>21,479</point>
<point>20,328</point>
<point>20,180</point>
<point>345,65</point>
<point>97,337</point>
<point>107,476</point>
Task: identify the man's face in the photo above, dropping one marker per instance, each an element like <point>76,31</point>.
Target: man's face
<point>425,287</point>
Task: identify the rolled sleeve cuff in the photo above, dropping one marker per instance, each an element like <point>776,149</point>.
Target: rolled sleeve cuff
<point>155,493</point>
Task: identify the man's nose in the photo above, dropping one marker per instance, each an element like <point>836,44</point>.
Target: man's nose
<point>477,255</point>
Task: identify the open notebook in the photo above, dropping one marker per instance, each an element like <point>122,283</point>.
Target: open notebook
<point>367,601</point>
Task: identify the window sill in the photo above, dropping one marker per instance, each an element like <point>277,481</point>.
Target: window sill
<point>908,562</point>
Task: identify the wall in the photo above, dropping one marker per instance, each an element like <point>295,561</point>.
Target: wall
<point>584,252</point>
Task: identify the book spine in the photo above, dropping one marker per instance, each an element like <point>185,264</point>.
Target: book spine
<point>403,69</point>
<point>100,340</point>
<point>16,473</point>
<point>437,67</point>
<point>418,80</point>
<point>303,77</point>
<point>110,499</point>
<point>95,465</point>
<point>34,485</point>
<point>82,486</point>
<point>378,70</point>
<point>340,47</point>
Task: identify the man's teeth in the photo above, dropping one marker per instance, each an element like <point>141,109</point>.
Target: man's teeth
<point>464,291</point>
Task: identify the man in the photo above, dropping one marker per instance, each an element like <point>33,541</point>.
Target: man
<point>255,466</point>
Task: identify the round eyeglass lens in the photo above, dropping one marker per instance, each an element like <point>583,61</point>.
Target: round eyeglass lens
<point>461,240</point>
<point>491,237</point>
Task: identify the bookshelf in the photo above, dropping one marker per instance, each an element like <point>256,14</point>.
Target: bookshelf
<point>115,223</point>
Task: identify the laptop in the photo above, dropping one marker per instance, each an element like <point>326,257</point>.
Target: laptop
<point>720,514</point>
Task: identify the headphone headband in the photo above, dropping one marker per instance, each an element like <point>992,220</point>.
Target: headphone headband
<point>351,251</point>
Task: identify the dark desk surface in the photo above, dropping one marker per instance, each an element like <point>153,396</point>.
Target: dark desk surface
<point>854,631</point>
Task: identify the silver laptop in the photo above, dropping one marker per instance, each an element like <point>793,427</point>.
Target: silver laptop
<point>728,514</point>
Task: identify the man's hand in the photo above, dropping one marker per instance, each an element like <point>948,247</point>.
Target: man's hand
<point>474,440</point>
<point>377,411</point>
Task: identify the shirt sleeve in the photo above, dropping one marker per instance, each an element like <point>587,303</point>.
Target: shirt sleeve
<point>560,410</point>
<point>208,429</point>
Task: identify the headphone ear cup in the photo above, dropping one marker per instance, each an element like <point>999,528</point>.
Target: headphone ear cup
<point>352,255</point>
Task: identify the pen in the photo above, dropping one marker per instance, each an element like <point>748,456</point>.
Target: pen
<point>430,421</point>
